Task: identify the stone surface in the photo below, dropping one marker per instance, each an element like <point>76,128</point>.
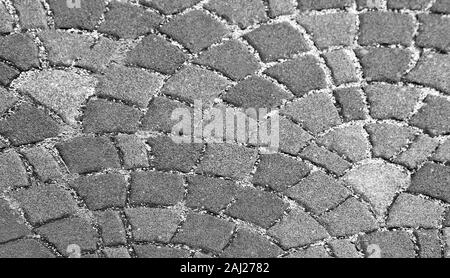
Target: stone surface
<point>250,245</point>
<point>441,6</point>
<point>25,248</point>
<point>418,152</point>
<point>407,4</point>
<point>281,7</point>
<point>313,252</point>
<point>442,154</point>
<point>389,139</point>
<point>429,243</point>
<point>31,14</point>
<point>323,4</point>
<point>395,244</point>
<point>116,253</point>
<point>20,50</point>
<point>112,228</point>
<point>156,252</point>
<point>12,171</point>
<point>7,74</point>
<point>433,32</point>
<point>86,16</point>
<point>326,159</point>
<point>433,117</point>
<point>11,223</point>
<point>133,150</point>
<point>243,13</point>
<point>432,180</point>
<point>351,102</point>
<point>433,71</point>
<point>44,163</point>
<point>292,137</point>
<point>7,100</point>
<point>169,7</point>
<point>343,248</point>
<point>6,20</point>
<point>342,66</point>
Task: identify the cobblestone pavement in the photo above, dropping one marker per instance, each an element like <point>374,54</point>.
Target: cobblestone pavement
<point>363,89</point>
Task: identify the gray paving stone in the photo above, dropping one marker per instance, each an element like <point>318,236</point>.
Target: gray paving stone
<point>279,172</point>
<point>112,228</point>
<point>31,14</point>
<point>25,248</point>
<point>418,152</point>
<point>281,7</point>
<point>248,244</point>
<point>392,244</point>
<point>323,4</point>
<point>343,248</point>
<point>20,50</point>
<point>257,207</point>
<point>313,252</point>
<point>433,117</point>
<point>156,252</point>
<point>433,71</point>
<point>196,30</point>
<point>384,64</point>
<point>7,74</point>
<point>429,243</point>
<point>389,139</point>
<point>128,21</point>
<point>116,253</point>
<point>205,231</point>
<point>6,20</point>
<point>7,100</point>
<point>243,13</point>
<point>277,41</point>
<point>292,137</point>
<point>349,218</point>
<point>391,101</point>
<point>447,219</point>
<point>316,112</point>
<point>44,164</point>
<point>84,17</point>
<point>12,171</point>
<point>442,154</point>
<point>326,159</point>
<point>156,188</point>
<point>89,154</point>
<point>432,180</point>
<point>318,192</point>
<point>100,55</point>
<point>68,231</point>
<point>169,7</point>
<point>342,66</point>
<point>133,150</point>
<point>153,224</point>
<point>441,6</point>
<point>408,4</point>
<point>297,229</point>
<point>327,30</point>
<point>156,53</point>
<point>102,191</point>
<point>433,32</point>
<point>380,27</point>
<point>446,237</point>
<point>12,225</point>
<point>352,103</point>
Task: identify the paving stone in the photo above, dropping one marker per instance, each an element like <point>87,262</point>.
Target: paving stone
<point>243,13</point>
<point>318,192</point>
<point>392,244</point>
<point>156,252</point>
<point>258,207</point>
<point>212,194</point>
<point>169,155</point>
<point>313,252</point>
<point>391,101</point>
<point>281,7</point>
<point>408,4</point>
<point>350,142</point>
<point>326,159</point>
<point>7,74</point>
<point>384,64</point>
<point>12,171</point>
<point>441,6</point>
<point>297,229</point>
<point>102,191</point>
<point>31,14</point>
<point>7,100</point>
<point>343,248</point>
<point>378,182</point>
<point>24,248</point>
<point>89,154</point>
<point>279,172</point>
<point>192,84</point>
<point>327,30</point>
<point>133,150</point>
<point>446,236</point>
<point>116,253</point>
<point>315,112</point>
<point>196,30</point>
<point>12,226</point>
<point>205,231</point>
<point>20,50</point>
<point>349,218</point>
<point>169,7</point>
<point>68,231</point>
<point>248,244</point>
<point>153,224</point>
<point>102,116</point>
<point>443,152</point>
<point>323,4</point>
<point>433,117</point>
<point>292,137</point>
<point>232,58</point>
<point>432,180</point>
<point>6,20</point>
<point>112,229</point>
<point>44,164</point>
<point>342,66</point>
<point>62,91</point>
<point>86,16</point>
<point>380,27</point>
<point>433,70</point>
<point>100,55</point>
<point>447,219</point>
<point>419,152</point>
<point>277,41</point>
<point>352,103</point>
<point>256,92</point>
<point>389,139</point>
<point>156,188</point>
<point>413,211</point>
<point>156,53</point>
<point>429,243</point>
<point>433,32</point>
<point>128,21</point>
<point>234,161</point>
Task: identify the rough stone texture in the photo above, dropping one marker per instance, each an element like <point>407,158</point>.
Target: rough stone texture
<point>44,163</point>
<point>169,7</point>
<point>433,70</point>
<point>313,252</point>
<point>243,13</point>
<point>429,243</point>
<point>277,41</point>
<point>12,171</point>
<point>112,228</point>
<point>84,17</point>
<point>441,6</point>
<point>434,33</point>
<point>418,152</point>
<point>89,154</point>
<point>155,252</point>
<point>352,103</point>
<point>153,224</point>
<point>205,231</point>
<point>20,50</point>
<point>433,117</point>
<point>351,217</point>
<point>318,192</point>
<point>133,150</point>
<point>281,7</point>
<point>196,30</point>
<point>326,159</point>
<point>6,21</point>
<point>378,182</point>
<point>25,248</point>
<point>342,66</point>
<point>323,4</point>
<point>327,30</point>
<point>116,253</point>
<point>395,244</point>
<point>7,74</point>
<point>389,139</point>
<point>292,137</point>
<point>251,245</point>
<point>31,14</point>
<point>11,223</point>
<point>432,180</point>
<point>343,248</point>
<point>156,188</point>
<point>442,154</point>
<point>7,100</point>
<point>156,53</point>
<point>279,172</point>
<point>407,4</point>
<point>386,28</point>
